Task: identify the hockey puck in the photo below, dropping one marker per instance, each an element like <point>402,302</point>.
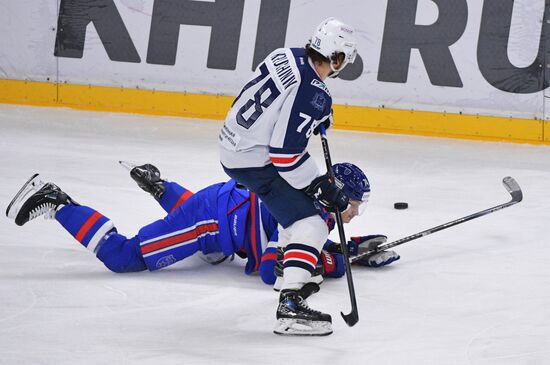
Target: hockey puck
<point>401,205</point>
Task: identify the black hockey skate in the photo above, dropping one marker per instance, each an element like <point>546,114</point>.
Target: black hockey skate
<point>147,177</point>
<point>36,198</point>
<point>295,318</point>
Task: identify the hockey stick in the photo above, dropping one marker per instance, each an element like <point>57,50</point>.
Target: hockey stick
<point>509,183</point>
<point>353,317</point>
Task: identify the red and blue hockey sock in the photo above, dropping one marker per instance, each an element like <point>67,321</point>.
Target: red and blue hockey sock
<point>174,196</point>
<point>98,234</point>
<point>85,224</point>
<point>299,263</point>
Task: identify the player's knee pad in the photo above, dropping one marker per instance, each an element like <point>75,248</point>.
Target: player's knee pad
<point>174,195</point>
<point>311,231</point>
<point>120,254</point>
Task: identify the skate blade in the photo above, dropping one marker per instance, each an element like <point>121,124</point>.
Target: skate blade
<point>29,188</point>
<point>127,165</point>
<point>298,327</point>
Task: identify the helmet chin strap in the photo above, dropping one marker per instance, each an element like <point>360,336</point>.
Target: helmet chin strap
<point>336,72</point>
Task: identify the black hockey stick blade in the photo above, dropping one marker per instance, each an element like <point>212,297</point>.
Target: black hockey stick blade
<point>513,188</point>
<point>352,318</point>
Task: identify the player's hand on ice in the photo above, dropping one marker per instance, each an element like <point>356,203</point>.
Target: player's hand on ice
<point>333,259</point>
<point>327,193</point>
<point>381,258</point>
<point>327,123</point>
<point>334,267</point>
<point>360,244</point>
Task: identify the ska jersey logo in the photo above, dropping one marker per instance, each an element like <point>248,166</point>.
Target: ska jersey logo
<point>165,261</point>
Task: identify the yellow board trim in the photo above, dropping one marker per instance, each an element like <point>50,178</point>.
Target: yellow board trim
<point>423,123</point>
<point>204,106</point>
<point>28,92</point>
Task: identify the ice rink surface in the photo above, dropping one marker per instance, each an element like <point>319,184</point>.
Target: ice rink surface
<point>477,293</point>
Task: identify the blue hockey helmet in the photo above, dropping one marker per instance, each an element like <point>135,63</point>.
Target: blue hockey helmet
<point>354,181</point>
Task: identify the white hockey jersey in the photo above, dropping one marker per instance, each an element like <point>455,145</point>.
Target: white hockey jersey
<point>274,115</point>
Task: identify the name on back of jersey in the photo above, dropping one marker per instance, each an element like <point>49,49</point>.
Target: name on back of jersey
<point>283,70</point>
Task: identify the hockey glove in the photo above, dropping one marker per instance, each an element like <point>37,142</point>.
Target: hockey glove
<point>333,264</point>
<point>327,123</point>
<point>327,193</point>
<point>382,258</point>
<point>360,244</point>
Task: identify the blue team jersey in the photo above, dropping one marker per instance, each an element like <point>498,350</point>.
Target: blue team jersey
<point>222,218</point>
<point>219,218</point>
<point>246,226</point>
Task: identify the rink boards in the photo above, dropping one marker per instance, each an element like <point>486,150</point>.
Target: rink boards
<point>463,69</point>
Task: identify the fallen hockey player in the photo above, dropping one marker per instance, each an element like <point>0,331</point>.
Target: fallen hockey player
<point>218,222</point>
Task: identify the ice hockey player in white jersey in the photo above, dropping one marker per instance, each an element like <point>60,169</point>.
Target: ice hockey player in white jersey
<point>263,146</point>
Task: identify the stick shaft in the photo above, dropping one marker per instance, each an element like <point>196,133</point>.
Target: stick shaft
<point>434,229</point>
<point>353,317</point>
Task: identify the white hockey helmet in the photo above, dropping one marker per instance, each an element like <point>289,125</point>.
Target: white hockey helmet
<point>333,37</point>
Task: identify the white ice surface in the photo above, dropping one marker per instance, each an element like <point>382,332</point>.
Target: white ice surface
<point>477,293</point>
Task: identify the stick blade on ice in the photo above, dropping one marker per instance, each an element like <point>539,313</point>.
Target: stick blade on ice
<point>513,188</point>
<point>350,319</point>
